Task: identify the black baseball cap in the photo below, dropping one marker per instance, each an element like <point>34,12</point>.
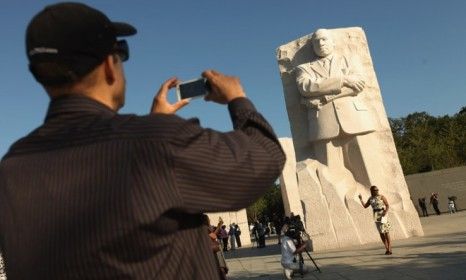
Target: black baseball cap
<point>73,37</point>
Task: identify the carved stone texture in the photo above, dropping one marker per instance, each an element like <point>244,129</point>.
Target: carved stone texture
<point>289,187</point>
<point>342,140</point>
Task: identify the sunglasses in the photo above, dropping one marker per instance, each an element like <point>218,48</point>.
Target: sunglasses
<point>121,49</point>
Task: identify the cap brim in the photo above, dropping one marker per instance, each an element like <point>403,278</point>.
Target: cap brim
<point>124,29</point>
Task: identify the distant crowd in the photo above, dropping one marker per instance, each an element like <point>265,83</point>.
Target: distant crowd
<point>434,201</point>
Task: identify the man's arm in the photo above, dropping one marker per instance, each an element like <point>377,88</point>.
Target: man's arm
<point>227,171</point>
<point>217,171</point>
<point>365,205</point>
<point>300,249</point>
<point>291,246</point>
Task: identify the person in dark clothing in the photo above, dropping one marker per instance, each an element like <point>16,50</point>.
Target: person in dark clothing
<point>223,235</point>
<point>280,223</point>
<point>434,199</point>
<point>94,194</point>
<point>422,204</point>
<point>259,234</point>
<point>232,236</point>
<point>237,236</point>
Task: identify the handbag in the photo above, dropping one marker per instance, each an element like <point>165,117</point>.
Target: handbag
<point>384,219</point>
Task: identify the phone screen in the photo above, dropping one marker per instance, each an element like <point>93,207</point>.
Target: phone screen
<point>192,89</point>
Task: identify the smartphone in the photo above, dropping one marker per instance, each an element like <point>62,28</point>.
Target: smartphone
<point>192,89</point>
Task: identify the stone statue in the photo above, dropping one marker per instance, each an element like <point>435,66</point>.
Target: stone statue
<point>342,142</point>
<point>330,86</point>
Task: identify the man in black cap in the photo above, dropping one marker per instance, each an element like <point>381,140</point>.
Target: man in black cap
<point>93,194</point>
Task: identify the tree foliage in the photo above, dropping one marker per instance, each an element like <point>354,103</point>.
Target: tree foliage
<point>267,208</point>
<point>426,143</point>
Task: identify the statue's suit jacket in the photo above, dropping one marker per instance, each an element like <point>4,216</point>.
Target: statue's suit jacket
<point>326,119</point>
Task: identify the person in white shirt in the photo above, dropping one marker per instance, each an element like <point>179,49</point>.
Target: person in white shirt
<point>289,250</point>
<point>451,205</point>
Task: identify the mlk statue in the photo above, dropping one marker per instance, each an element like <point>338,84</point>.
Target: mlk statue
<point>342,143</point>
<point>330,88</point>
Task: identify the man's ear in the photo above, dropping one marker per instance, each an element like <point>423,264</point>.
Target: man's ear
<point>110,69</point>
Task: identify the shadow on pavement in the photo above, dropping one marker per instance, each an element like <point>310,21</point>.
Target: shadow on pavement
<point>439,254</point>
<point>411,266</point>
<point>246,252</point>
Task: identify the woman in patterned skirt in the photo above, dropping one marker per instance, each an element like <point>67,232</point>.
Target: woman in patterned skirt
<point>380,207</point>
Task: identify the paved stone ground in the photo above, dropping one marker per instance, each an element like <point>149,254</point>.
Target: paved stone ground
<point>440,254</point>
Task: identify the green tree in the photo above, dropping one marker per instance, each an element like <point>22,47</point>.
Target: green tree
<point>426,143</point>
<point>267,208</point>
<point>460,135</point>
<point>255,211</point>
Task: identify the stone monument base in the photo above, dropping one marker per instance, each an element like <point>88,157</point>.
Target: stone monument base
<point>333,221</point>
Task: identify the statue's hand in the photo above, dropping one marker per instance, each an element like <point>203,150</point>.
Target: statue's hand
<point>354,82</point>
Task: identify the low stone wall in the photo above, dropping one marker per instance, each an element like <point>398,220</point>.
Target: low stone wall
<point>447,182</point>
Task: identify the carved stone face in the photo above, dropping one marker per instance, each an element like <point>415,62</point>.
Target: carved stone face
<point>322,42</point>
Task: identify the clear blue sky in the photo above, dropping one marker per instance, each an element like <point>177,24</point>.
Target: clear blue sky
<point>418,49</point>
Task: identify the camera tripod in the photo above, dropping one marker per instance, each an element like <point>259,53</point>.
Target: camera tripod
<point>301,263</point>
<point>300,241</point>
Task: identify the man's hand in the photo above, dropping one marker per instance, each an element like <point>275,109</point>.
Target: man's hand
<point>301,248</point>
<point>161,104</point>
<point>354,82</point>
<point>223,88</point>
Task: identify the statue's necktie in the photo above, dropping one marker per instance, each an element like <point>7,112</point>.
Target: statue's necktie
<point>326,64</point>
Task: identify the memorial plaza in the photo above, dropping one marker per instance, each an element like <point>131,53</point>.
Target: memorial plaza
<point>439,254</point>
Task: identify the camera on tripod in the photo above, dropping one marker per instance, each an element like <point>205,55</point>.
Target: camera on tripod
<point>295,228</point>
